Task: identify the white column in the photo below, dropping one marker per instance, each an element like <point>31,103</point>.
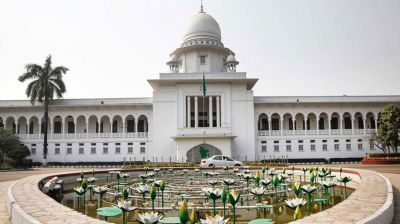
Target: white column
<point>123,128</point>
<point>98,128</point>
<point>365,125</point>
<point>16,127</point>
<point>75,125</point>
<point>269,126</point>
<point>376,125</point>
<point>341,125</point>
<point>352,126</point>
<point>218,113</point>
<point>40,126</point>
<point>188,117</point>
<point>317,120</point>
<point>294,126</point>
<point>281,127</point>
<point>210,112</point>
<point>62,126</point>
<point>329,125</point>
<point>27,128</point>
<point>305,125</point>
<point>196,112</point>
<point>87,127</point>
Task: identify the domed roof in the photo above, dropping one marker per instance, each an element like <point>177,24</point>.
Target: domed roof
<point>202,25</point>
<point>231,58</point>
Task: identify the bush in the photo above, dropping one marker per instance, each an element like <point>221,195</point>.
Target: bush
<point>19,154</point>
<point>384,155</point>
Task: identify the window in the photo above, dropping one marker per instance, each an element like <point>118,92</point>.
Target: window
<point>371,146</point>
<point>336,147</point>
<point>348,147</point>
<point>92,150</point>
<point>81,144</point>
<point>276,142</point>
<point>324,147</point>
<point>263,148</point>
<point>312,147</point>
<point>288,148</point>
<point>69,144</point>
<point>130,149</point>
<point>300,141</point>
<point>130,143</point>
<point>142,150</point>
<point>105,150</point>
<point>57,144</point>
<point>360,147</point>
<point>301,148</point>
<point>69,150</point>
<point>359,140</point>
<point>117,150</point>
<point>276,148</point>
<point>33,151</point>
<point>312,141</point>
<point>81,151</point>
<point>93,144</point>
<point>336,140</point>
<point>348,140</point>
<point>324,141</point>
<point>263,142</point>
<point>105,143</point>
<point>203,59</point>
<point>117,143</point>
<point>33,144</point>
<point>143,143</point>
<point>288,141</point>
<point>57,151</point>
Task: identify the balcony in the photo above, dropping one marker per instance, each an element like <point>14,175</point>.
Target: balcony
<point>315,132</point>
<point>86,135</point>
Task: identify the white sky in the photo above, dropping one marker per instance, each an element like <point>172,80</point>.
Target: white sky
<point>295,47</point>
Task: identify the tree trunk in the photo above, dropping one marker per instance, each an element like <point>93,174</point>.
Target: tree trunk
<point>46,122</point>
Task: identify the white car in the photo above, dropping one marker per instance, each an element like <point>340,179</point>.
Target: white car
<point>218,161</point>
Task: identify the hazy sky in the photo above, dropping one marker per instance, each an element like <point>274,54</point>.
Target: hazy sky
<point>313,47</point>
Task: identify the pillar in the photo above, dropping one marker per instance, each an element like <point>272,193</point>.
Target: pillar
<point>87,127</point>
<point>218,113</point>
<point>281,127</point>
<point>75,125</point>
<point>341,126</point>
<point>196,112</point>
<point>352,126</point>
<point>210,112</point>
<point>317,121</point>
<point>294,126</point>
<point>269,125</point>
<point>365,125</point>
<point>329,125</point>
<point>376,125</point>
<point>305,125</point>
<point>188,117</point>
<point>27,128</point>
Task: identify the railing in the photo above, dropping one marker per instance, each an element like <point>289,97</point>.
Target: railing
<point>314,132</point>
<point>86,135</point>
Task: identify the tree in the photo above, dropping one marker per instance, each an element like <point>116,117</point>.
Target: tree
<point>19,154</point>
<point>387,138</point>
<point>46,82</point>
<point>8,143</point>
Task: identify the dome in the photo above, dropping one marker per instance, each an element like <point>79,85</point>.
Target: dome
<point>230,58</point>
<point>202,25</point>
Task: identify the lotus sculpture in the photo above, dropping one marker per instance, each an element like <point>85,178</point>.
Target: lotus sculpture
<point>213,194</point>
<point>265,182</point>
<point>233,198</point>
<point>214,220</point>
<point>344,180</point>
<point>100,190</point>
<point>213,182</point>
<point>308,189</point>
<point>228,182</point>
<point>149,218</point>
<point>258,192</point>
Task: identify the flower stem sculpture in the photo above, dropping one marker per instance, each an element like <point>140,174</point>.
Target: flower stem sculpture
<point>229,182</point>
<point>295,204</point>
<point>183,213</point>
<point>153,194</point>
<point>234,199</point>
<point>275,183</point>
<point>345,180</point>
<point>247,177</point>
<point>257,179</point>
<point>308,189</point>
<point>125,206</point>
<point>192,219</point>
<point>258,192</point>
<point>224,197</point>
<point>162,188</point>
<point>297,188</point>
<point>101,191</point>
<point>143,189</point>
<point>263,172</point>
<point>304,169</point>
<point>265,182</point>
<point>213,194</point>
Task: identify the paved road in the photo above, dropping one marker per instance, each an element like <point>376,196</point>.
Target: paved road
<point>6,179</point>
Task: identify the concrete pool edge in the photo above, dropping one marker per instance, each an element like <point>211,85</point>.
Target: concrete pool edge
<point>43,209</point>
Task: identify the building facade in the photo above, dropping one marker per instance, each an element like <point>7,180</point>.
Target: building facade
<point>182,118</point>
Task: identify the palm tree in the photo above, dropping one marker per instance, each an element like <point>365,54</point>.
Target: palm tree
<point>45,82</point>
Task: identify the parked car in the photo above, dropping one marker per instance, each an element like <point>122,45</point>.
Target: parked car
<point>218,161</point>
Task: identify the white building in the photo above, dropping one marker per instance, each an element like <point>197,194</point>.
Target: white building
<point>178,120</point>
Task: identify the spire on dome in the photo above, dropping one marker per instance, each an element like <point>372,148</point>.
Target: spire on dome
<point>201,6</point>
